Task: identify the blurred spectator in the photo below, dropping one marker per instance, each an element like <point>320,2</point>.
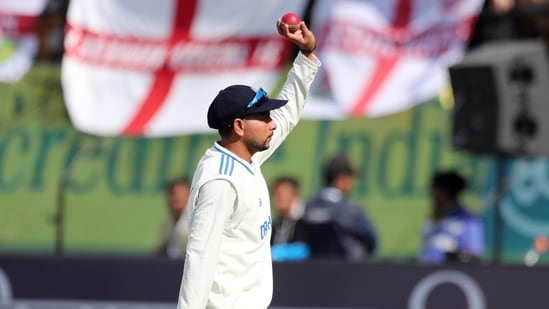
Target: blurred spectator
<point>452,234</point>
<point>176,228</point>
<point>289,209</point>
<point>505,20</point>
<point>338,228</point>
<point>288,235</point>
<point>52,30</point>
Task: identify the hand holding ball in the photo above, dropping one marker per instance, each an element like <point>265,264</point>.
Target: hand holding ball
<point>292,20</point>
<point>294,29</point>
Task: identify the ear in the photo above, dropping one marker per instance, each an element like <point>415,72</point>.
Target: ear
<point>238,126</point>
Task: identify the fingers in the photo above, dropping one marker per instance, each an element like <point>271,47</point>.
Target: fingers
<point>284,29</point>
<point>303,37</point>
<point>304,27</point>
<point>308,36</point>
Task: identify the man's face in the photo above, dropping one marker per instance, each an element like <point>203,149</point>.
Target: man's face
<point>177,199</point>
<point>437,196</point>
<point>284,195</point>
<point>258,131</point>
<point>344,182</point>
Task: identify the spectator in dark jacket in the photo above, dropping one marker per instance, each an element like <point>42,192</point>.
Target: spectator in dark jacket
<point>337,227</point>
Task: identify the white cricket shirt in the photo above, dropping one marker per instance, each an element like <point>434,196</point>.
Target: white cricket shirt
<point>228,260</point>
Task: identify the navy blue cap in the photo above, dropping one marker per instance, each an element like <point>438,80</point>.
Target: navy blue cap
<point>238,101</point>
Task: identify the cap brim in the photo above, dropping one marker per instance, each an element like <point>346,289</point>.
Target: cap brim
<point>265,107</point>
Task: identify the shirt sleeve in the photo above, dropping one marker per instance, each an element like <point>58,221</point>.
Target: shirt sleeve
<point>295,90</point>
<point>212,210</point>
<point>367,233</point>
<point>356,222</point>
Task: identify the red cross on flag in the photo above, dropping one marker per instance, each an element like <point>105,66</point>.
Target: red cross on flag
<point>383,56</point>
<point>151,68</point>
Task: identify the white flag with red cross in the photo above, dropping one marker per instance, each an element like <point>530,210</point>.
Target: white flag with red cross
<point>151,68</point>
<point>384,56</point>
<point>19,41</point>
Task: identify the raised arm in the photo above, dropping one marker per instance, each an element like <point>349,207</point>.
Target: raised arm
<point>297,85</point>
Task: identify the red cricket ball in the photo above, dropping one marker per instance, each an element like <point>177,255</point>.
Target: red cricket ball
<point>292,20</point>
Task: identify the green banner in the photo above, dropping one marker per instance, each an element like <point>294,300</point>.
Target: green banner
<point>112,188</point>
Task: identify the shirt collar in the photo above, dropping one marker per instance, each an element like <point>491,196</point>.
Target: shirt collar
<point>248,166</point>
<point>331,194</point>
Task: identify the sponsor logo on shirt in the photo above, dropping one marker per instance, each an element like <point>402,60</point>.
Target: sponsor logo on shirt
<point>265,227</point>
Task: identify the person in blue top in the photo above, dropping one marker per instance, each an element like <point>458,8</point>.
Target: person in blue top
<point>452,234</point>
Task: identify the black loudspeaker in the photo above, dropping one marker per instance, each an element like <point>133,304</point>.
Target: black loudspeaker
<point>501,99</point>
